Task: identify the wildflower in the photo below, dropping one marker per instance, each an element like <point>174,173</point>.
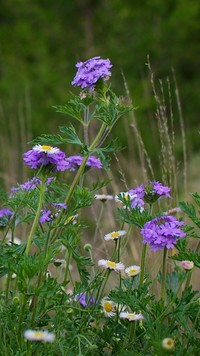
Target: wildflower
<point>75,161</point>
<point>84,299</point>
<point>168,343</point>
<point>109,307</point>
<point>123,196</point>
<point>187,265</point>
<point>30,185</point>
<point>114,235</point>
<point>131,316</point>
<point>72,219</point>
<point>111,265</point>
<point>5,216</point>
<point>150,192</point>
<point>135,200</point>
<point>90,71</point>
<point>132,271</point>
<point>103,197</point>
<point>47,156</point>
<point>39,335</point>
<point>52,213</point>
<point>161,232</point>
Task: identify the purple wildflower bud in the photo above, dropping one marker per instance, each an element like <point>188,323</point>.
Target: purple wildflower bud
<point>161,232</point>
<point>5,215</point>
<point>74,162</point>
<point>90,71</point>
<point>30,185</point>
<point>85,300</point>
<point>47,156</point>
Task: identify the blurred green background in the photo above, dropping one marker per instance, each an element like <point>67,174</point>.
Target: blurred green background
<point>41,40</point>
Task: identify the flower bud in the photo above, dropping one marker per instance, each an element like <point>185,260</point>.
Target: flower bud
<point>187,265</point>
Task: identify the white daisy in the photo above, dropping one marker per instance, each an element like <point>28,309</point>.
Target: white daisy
<point>46,149</point>
<point>39,335</point>
<point>168,343</point>
<point>111,265</point>
<point>123,195</point>
<point>114,235</point>
<point>131,316</point>
<point>132,271</point>
<point>109,307</point>
<point>103,197</point>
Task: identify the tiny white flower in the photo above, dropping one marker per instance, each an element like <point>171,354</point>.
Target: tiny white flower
<point>103,197</point>
<point>187,265</point>
<point>111,265</point>
<point>131,316</point>
<point>132,271</point>
<point>46,149</point>
<point>168,343</point>
<point>114,235</point>
<point>39,335</point>
<point>109,307</point>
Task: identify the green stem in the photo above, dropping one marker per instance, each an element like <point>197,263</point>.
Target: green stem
<point>67,269</point>
<point>21,316</point>
<point>37,215</point>
<point>164,270</point>
<point>143,259</point>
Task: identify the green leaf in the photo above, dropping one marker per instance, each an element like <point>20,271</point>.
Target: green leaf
<point>71,134</point>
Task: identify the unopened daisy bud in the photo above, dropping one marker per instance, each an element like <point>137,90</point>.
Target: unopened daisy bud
<point>87,247</point>
<point>168,343</point>
<point>187,265</point>
<point>39,335</point>
<point>111,265</point>
<point>114,235</point>
<point>132,271</point>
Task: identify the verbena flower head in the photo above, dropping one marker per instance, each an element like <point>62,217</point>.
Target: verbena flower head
<point>162,231</point>
<point>39,335</point>
<point>109,307</point>
<point>111,265</point>
<point>52,213</point>
<point>150,192</point>
<point>90,71</point>
<point>85,300</point>
<point>114,235</point>
<point>132,271</point>
<point>5,216</point>
<point>73,162</point>
<point>187,265</point>
<point>168,343</point>
<point>47,156</point>
<point>30,185</point>
<point>131,316</point>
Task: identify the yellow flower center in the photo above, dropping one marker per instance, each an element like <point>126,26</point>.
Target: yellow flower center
<point>38,334</point>
<point>111,264</point>
<point>108,307</point>
<point>114,234</point>
<point>132,271</point>
<point>47,148</point>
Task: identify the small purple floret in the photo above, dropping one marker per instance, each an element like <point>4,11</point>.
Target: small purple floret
<point>90,71</point>
<point>52,213</point>
<point>85,300</point>
<point>162,231</point>
<point>30,185</point>
<point>5,215</point>
<point>73,162</point>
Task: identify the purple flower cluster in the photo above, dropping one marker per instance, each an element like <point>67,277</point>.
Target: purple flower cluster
<point>85,300</point>
<point>30,185</point>
<point>161,232</point>
<point>75,161</point>
<point>52,213</point>
<point>5,215</point>
<point>42,155</point>
<point>90,71</point>
<point>151,192</point>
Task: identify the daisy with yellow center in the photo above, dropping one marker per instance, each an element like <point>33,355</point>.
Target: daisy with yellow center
<point>114,235</point>
<point>111,265</point>
<point>168,343</point>
<point>46,149</point>
<point>131,316</point>
<point>109,307</point>
<point>132,271</point>
<point>39,335</point>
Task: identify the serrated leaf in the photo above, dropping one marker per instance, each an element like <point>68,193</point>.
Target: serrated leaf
<point>72,136</point>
